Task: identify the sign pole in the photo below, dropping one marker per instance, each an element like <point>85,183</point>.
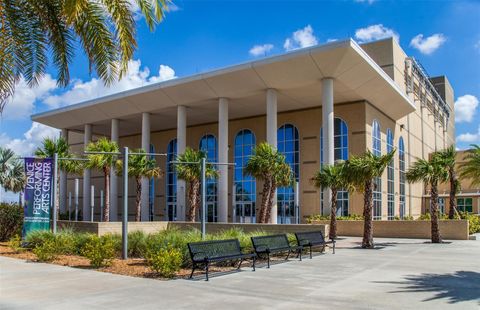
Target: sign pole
<point>92,202</point>
<point>125,205</point>
<point>76,199</point>
<point>101,205</point>
<point>204,166</point>
<point>69,206</point>
<point>55,169</point>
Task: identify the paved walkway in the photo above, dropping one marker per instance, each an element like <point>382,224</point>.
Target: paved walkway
<point>399,274</point>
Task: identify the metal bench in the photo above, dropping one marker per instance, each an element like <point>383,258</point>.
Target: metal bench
<point>274,244</point>
<point>313,239</point>
<point>204,253</point>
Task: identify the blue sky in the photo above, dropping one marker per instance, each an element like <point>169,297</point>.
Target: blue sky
<point>198,36</point>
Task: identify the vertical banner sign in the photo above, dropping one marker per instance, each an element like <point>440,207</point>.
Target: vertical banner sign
<point>38,194</point>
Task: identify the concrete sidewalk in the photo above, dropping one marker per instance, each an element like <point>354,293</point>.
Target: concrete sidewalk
<point>399,274</point>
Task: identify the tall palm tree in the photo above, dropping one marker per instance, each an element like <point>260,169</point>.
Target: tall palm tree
<point>268,165</point>
<point>448,158</point>
<point>470,169</point>
<point>335,178</point>
<point>139,166</point>
<point>32,30</point>
<point>361,171</point>
<point>103,162</point>
<point>60,146</point>
<point>431,172</point>
<point>189,171</point>
<point>12,174</point>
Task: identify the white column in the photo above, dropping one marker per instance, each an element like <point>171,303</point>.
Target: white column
<point>223,158</point>
<point>146,147</point>
<point>87,137</point>
<point>113,176</point>
<point>63,180</point>
<point>328,144</point>
<point>181,145</point>
<point>272,137</point>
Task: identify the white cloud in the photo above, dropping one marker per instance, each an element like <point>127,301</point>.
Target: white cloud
<point>31,139</point>
<point>260,50</point>
<point>375,32</point>
<point>135,77</point>
<point>477,45</point>
<point>465,108</point>
<point>365,1</point>
<point>22,104</point>
<point>470,137</point>
<point>428,45</point>
<point>301,38</point>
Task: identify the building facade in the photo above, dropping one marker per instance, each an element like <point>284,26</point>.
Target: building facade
<point>316,105</point>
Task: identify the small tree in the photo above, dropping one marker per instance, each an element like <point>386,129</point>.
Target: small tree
<point>431,172</point>
<point>448,159</point>
<point>103,162</point>
<point>268,165</point>
<point>470,169</point>
<point>140,166</point>
<point>12,174</point>
<point>361,171</point>
<point>188,170</point>
<point>335,178</point>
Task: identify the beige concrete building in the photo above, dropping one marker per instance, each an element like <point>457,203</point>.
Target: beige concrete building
<point>315,105</point>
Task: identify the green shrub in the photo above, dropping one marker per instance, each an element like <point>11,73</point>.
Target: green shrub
<point>407,218</point>
<point>319,217</point>
<point>166,261</point>
<point>47,251</point>
<point>38,237</point>
<point>15,243</point>
<point>137,244</point>
<point>99,250</point>
<point>11,220</point>
<point>473,222</point>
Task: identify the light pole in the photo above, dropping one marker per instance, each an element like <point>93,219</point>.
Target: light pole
<point>125,205</point>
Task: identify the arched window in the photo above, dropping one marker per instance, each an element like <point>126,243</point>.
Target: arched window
<point>377,192</point>
<point>401,168</point>
<point>289,145</point>
<point>340,145</point>
<point>171,182</point>
<point>245,185</point>
<point>151,190</point>
<point>208,144</point>
<point>391,178</point>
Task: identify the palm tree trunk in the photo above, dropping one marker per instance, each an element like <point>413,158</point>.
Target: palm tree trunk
<point>265,197</point>
<point>436,238</point>
<point>106,211</point>
<point>271,197</point>
<point>194,199</point>
<point>453,192</point>
<point>367,242</point>
<point>333,215</point>
<point>138,200</point>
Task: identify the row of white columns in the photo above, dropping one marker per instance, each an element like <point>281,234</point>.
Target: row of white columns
<point>271,130</point>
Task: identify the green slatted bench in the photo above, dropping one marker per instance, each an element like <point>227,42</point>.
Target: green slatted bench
<point>272,244</point>
<point>313,239</point>
<point>205,253</point>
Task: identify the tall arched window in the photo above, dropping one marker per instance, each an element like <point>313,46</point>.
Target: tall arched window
<point>171,182</point>
<point>340,145</point>
<point>377,192</point>
<point>208,144</point>
<point>391,178</point>
<point>289,145</point>
<point>245,185</point>
<point>401,168</point>
<point>151,190</point>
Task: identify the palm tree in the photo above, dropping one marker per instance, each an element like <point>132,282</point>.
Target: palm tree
<point>103,162</point>
<point>105,29</point>
<point>470,169</point>
<point>335,178</point>
<point>361,171</point>
<point>12,174</point>
<point>431,172</point>
<point>268,165</point>
<point>188,170</point>
<point>139,166</point>
<point>448,158</point>
<point>60,146</point>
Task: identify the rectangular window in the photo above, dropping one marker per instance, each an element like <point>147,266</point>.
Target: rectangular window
<point>465,204</point>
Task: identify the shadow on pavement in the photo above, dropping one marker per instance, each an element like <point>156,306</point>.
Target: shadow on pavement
<point>455,287</point>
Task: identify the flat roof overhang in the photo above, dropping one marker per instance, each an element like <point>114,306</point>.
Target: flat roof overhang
<point>296,76</point>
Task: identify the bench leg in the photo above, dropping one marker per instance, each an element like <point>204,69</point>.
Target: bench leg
<point>288,255</point>
<point>333,247</point>
<point>240,264</point>
<point>253,263</point>
<point>206,271</point>
<point>310,251</point>
<point>300,254</point>
<point>193,270</point>
<point>268,260</point>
